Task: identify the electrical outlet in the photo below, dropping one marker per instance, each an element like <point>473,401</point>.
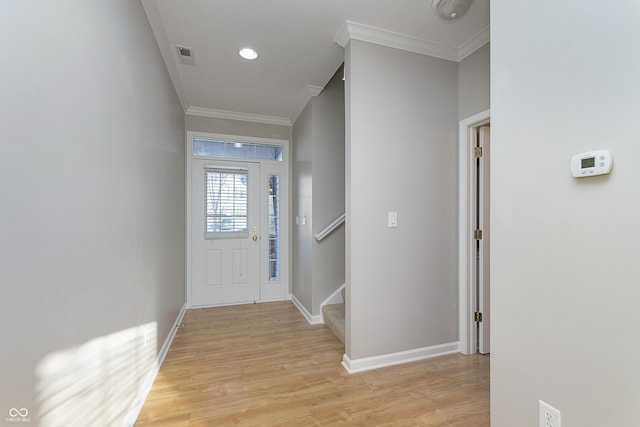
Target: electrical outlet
<point>548,416</point>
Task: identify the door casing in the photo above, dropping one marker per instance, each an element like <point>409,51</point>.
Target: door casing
<point>467,294</point>
<point>482,271</point>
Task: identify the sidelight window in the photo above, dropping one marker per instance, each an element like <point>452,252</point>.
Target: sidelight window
<point>274,227</point>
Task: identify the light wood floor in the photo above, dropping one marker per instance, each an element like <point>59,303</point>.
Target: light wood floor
<point>264,365</point>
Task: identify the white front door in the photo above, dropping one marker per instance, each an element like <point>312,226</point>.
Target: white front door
<point>225,234</point>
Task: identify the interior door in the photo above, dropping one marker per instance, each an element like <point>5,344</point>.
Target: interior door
<point>225,242</point>
<point>483,276</point>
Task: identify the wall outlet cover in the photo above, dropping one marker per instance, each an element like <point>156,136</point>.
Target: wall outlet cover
<point>548,416</point>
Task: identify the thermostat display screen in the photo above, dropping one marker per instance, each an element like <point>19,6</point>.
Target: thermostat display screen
<point>588,162</point>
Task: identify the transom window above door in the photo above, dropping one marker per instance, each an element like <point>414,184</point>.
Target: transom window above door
<point>203,147</point>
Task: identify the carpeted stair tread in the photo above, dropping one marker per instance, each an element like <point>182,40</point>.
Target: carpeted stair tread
<point>334,319</point>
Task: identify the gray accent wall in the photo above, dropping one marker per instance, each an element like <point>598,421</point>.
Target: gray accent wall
<point>318,189</point>
<point>564,251</point>
<point>473,83</point>
<point>92,249</point>
<point>401,156</point>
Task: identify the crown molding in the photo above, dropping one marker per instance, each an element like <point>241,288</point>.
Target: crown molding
<point>367,33</point>
<point>353,30</point>
<point>314,90</point>
<point>233,115</point>
<point>474,43</point>
<point>342,38</point>
<point>310,92</point>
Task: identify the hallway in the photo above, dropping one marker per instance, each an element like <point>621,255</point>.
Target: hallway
<point>263,364</point>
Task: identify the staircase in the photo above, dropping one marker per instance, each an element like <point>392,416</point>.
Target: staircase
<point>333,315</point>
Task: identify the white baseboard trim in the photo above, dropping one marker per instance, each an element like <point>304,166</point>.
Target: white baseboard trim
<point>313,320</point>
<point>375,362</point>
<point>145,387</point>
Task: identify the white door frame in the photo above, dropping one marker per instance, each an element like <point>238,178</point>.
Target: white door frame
<point>466,288</point>
<point>190,135</point>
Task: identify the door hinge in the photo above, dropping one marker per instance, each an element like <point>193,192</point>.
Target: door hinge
<point>477,152</point>
<point>477,316</point>
<point>477,234</point>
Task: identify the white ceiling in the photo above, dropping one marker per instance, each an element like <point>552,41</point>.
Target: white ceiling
<point>296,41</point>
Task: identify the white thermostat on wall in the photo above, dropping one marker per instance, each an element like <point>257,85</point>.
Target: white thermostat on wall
<point>591,163</point>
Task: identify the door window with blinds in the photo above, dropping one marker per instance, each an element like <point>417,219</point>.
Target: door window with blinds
<point>226,203</point>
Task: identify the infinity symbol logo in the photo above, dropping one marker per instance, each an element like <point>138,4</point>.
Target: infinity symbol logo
<point>23,412</point>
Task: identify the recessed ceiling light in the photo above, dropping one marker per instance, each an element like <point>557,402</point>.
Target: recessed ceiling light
<point>248,53</point>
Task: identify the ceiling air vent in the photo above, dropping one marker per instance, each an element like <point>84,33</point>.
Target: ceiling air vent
<point>186,55</point>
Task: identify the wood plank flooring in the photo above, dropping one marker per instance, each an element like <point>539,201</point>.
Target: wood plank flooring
<point>264,365</point>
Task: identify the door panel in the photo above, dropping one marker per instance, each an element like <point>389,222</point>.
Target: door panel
<point>225,249</point>
<point>240,270</point>
<point>214,267</point>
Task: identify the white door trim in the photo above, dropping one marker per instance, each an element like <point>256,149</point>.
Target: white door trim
<point>466,289</point>
<point>190,135</point>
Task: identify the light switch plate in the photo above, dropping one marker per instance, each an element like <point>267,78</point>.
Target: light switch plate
<point>393,219</point>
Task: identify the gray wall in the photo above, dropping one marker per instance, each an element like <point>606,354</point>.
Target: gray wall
<point>328,188</point>
<point>318,189</point>
<point>564,253</point>
<point>236,127</point>
<point>92,208</point>
<point>302,191</point>
<point>473,83</point>
<point>401,150</point>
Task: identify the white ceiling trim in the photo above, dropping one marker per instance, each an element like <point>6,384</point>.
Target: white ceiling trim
<point>353,30</point>
<point>474,43</point>
<point>233,115</point>
<point>367,33</point>
<point>309,93</point>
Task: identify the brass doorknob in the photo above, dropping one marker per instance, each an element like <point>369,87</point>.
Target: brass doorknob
<point>255,238</point>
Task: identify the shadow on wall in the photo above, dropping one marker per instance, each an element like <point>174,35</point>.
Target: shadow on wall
<point>95,383</point>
